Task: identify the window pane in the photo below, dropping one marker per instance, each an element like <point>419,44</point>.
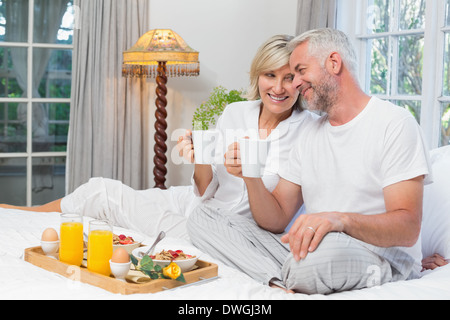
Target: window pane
<point>13,127</point>
<point>378,14</point>
<point>447,65</point>
<point>445,128</point>
<point>14,20</point>
<point>2,21</point>
<point>52,69</point>
<point>447,12</point>
<point>65,32</point>
<point>13,181</point>
<point>412,106</point>
<point>410,65</point>
<point>412,14</point>
<point>50,127</point>
<point>379,66</point>
<point>13,72</point>
<point>53,23</point>
<point>48,179</point>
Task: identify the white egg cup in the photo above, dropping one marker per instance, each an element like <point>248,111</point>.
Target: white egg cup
<point>120,270</point>
<point>50,248</point>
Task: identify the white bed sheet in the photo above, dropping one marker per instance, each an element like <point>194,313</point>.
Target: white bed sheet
<point>21,280</point>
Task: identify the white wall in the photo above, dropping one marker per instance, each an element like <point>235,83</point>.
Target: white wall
<point>227,34</point>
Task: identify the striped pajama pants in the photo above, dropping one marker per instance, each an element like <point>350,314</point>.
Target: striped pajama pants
<point>340,263</point>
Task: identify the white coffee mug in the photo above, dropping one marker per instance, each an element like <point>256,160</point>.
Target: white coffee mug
<point>204,145</point>
<point>253,156</point>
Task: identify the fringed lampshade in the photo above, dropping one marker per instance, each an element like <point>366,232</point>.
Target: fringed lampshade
<point>160,45</point>
<point>160,53</point>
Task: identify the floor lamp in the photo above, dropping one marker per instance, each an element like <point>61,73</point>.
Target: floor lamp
<point>160,53</point>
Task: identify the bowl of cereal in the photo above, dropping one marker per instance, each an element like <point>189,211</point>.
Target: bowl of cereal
<point>127,241</point>
<point>184,258</point>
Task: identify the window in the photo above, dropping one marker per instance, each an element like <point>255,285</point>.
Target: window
<point>35,86</point>
<point>404,49</point>
<point>445,97</point>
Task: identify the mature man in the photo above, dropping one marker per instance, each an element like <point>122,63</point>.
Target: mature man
<point>359,170</point>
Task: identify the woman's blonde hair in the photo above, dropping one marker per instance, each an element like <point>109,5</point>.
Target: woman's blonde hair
<point>272,55</point>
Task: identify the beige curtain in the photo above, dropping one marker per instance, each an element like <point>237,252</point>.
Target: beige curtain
<point>313,14</point>
<point>109,130</point>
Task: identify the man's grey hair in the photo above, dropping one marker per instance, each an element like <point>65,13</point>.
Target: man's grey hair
<point>322,42</point>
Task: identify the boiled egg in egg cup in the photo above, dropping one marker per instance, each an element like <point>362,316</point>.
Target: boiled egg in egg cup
<point>50,242</point>
<point>120,264</point>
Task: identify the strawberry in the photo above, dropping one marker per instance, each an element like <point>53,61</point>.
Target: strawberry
<point>173,253</point>
<point>127,241</point>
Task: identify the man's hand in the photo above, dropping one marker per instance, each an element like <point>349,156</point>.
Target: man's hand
<point>308,231</point>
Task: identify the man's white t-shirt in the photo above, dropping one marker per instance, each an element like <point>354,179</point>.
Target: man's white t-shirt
<point>345,168</point>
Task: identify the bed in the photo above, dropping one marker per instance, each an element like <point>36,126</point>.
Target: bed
<point>21,280</point>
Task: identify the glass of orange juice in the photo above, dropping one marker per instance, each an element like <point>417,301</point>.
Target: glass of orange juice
<point>100,247</point>
<point>71,242</point>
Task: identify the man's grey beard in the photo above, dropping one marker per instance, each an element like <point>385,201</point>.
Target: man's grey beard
<point>325,95</point>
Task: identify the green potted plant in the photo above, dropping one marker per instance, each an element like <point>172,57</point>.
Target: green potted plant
<point>205,117</point>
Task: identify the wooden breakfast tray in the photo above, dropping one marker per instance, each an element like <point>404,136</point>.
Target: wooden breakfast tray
<point>205,271</point>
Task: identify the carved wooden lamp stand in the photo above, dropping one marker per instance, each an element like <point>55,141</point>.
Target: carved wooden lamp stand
<point>160,53</point>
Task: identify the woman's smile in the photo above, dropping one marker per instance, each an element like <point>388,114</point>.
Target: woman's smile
<point>278,98</point>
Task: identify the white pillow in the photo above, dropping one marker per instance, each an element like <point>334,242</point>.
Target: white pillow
<point>436,206</point>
